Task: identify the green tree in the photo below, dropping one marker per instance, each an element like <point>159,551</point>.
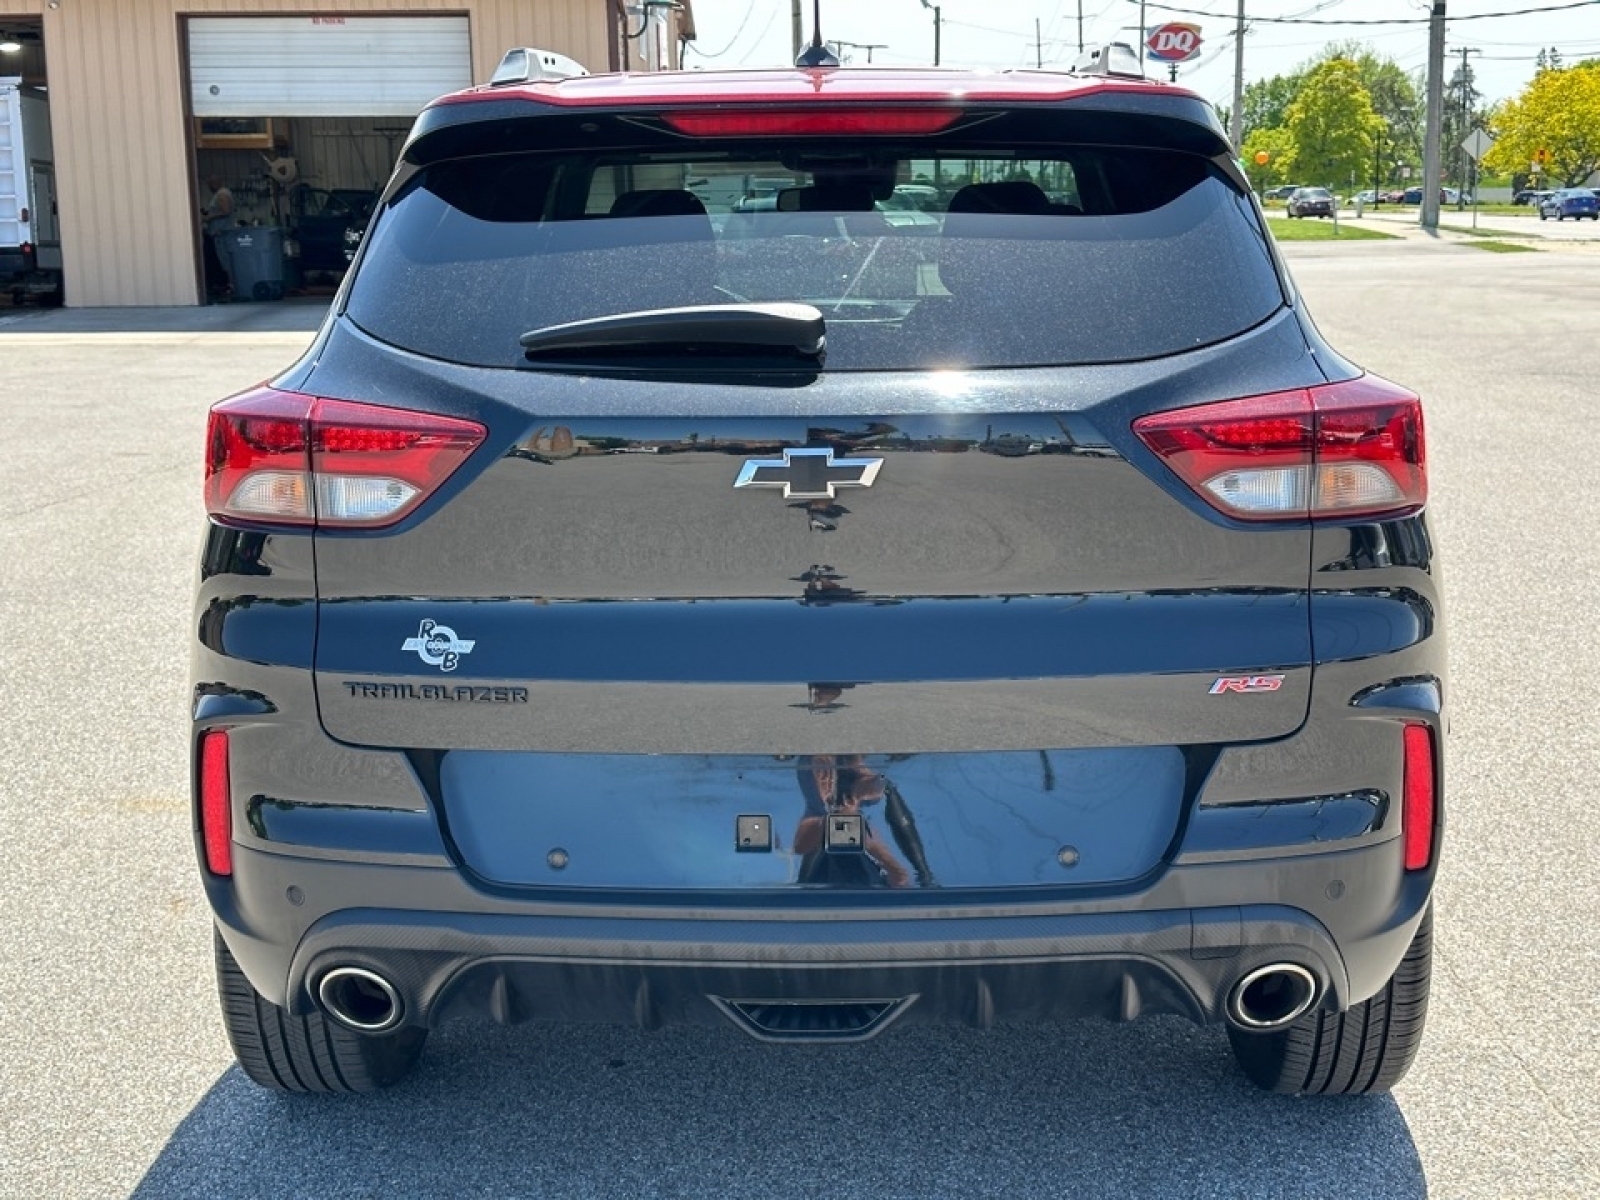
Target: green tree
<point>1333,125</point>
<point>1558,114</point>
<point>1396,97</point>
<point>1547,60</point>
<point>1463,112</point>
<point>1266,102</point>
<point>1279,147</point>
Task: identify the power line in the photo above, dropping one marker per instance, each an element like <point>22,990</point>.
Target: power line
<point>1516,12</point>
<point>748,13</point>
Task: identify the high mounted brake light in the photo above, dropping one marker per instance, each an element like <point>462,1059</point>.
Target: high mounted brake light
<point>1340,450</point>
<point>845,122</point>
<point>280,458</point>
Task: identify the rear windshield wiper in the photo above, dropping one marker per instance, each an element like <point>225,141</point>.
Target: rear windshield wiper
<point>794,328</point>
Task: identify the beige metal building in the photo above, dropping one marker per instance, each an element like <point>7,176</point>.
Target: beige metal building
<point>149,97</point>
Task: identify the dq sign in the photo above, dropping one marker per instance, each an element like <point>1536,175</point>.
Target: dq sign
<point>1174,42</point>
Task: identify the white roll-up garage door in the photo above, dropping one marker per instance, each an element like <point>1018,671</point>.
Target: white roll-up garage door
<point>325,66</point>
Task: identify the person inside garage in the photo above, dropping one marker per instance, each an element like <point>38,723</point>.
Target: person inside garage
<point>216,218</point>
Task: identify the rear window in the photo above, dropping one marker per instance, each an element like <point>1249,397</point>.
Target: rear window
<point>994,257</point>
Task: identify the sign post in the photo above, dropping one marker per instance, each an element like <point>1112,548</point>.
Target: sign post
<point>1477,144</point>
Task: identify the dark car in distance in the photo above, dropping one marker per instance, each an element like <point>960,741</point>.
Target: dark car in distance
<point>815,622</point>
<point>1576,203</point>
<point>1311,202</point>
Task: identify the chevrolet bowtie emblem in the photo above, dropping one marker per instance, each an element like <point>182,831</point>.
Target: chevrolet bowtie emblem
<point>808,474</point>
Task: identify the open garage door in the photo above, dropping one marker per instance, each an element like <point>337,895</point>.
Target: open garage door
<point>325,66</point>
<point>298,119</point>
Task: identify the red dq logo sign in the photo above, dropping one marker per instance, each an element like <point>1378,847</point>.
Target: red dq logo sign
<point>1174,42</point>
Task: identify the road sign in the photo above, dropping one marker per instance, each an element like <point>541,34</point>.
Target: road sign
<point>1174,42</point>
<point>1478,144</point>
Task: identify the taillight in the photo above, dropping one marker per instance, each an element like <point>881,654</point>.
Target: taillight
<point>216,802</point>
<point>280,458</point>
<point>800,123</point>
<point>1417,809</point>
<point>1339,450</point>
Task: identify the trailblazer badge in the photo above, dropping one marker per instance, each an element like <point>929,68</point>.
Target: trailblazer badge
<point>438,646</point>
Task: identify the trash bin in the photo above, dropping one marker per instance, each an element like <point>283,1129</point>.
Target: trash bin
<point>253,255</point>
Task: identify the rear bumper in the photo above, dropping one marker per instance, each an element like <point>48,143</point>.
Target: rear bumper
<point>1178,947</point>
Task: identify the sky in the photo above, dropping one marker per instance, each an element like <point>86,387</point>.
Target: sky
<point>1000,34</point>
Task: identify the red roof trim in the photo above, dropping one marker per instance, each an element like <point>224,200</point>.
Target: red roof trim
<point>855,85</point>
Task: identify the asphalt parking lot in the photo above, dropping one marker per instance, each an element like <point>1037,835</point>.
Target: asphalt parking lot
<point>115,1078</point>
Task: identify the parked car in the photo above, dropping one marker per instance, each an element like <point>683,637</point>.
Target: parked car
<point>607,619</point>
<point>1364,197</point>
<point>1311,202</point>
<point>1282,192</point>
<point>1576,203</point>
<point>320,220</point>
<point>1414,196</point>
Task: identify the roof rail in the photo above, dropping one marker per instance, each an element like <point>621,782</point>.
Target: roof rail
<point>526,64</point>
<point>1114,58</point>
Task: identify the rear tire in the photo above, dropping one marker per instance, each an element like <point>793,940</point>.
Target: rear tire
<point>1366,1049</point>
<point>306,1054</point>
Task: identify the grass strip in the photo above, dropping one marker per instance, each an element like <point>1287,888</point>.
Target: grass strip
<point>1499,235</point>
<point>1313,230</point>
<point>1503,247</point>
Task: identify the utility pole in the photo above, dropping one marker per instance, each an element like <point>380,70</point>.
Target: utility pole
<point>936,29</point>
<point>1430,146</point>
<point>869,47</point>
<point>1466,119</point>
<point>1080,26</point>
<point>796,40</point>
<point>1140,47</point>
<point>1236,117</point>
<point>1038,45</point>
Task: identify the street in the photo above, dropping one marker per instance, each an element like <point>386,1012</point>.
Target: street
<point>115,1078</point>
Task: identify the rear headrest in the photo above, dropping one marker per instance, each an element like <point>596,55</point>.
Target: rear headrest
<point>658,202</point>
<point>1015,197</point>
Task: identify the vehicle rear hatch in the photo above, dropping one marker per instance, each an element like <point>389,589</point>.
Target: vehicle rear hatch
<point>635,643</point>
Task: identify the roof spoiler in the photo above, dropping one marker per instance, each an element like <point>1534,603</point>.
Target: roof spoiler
<point>525,64</point>
<point>1114,58</point>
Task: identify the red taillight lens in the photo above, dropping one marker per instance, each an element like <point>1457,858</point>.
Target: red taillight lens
<point>216,802</point>
<point>1417,816</point>
<point>284,459</point>
<point>258,460</point>
<point>791,123</point>
<point>1340,450</point>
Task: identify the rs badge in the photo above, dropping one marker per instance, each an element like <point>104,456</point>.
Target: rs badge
<point>438,646</point>
<point>1246,683</point>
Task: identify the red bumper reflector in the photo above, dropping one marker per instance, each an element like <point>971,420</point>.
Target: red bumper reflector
<point>216,802</point>
<point>1417,817</point>
<point>793,123</point>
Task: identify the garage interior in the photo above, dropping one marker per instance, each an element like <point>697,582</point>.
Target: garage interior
<point>22,50</point>
<point>302,118</point>
<point>22,58</point>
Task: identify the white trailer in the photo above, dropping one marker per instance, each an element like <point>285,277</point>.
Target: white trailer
<point>30,239</point>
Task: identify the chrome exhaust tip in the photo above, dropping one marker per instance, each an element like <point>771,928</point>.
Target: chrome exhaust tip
<point>360,999</point>
<point>1272,996</point>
